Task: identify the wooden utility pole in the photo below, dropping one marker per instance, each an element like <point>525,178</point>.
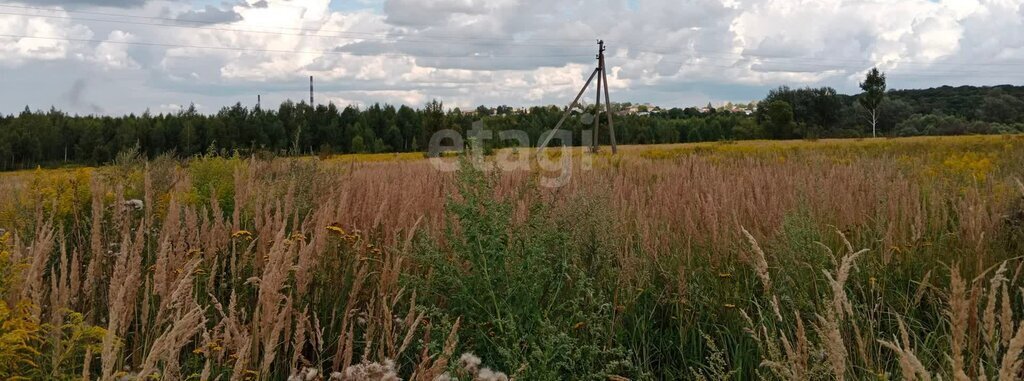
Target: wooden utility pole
<point>311,91</point>
<point>607,101</point>
<point>602,81</point>
<point>597,108</point>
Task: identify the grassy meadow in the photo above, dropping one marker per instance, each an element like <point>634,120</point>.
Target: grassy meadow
<point>868,259</point>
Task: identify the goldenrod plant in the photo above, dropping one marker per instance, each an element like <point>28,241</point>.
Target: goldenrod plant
<point>798,260</point>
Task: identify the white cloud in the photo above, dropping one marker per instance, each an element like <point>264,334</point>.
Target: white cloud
<point>114,56</point>
<point>519,52</point>
<point>16,49</point>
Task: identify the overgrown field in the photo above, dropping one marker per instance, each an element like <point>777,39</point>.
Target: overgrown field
<point>802,260</point>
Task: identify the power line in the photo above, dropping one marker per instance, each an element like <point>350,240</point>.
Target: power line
<point>722,56</point>
<point>258,50</point>
<point>979,74</point>
<point>799,69</point>
<point>222,29</point>
<point>734,56</point>
<point>308,30</point>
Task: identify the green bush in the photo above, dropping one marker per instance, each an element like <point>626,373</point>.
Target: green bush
<point>527,299</point>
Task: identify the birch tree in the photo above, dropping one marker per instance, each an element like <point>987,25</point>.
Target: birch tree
<point>874,93</point>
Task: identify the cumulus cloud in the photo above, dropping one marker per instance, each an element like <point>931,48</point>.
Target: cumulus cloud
<point>112,54</point>
<point>25,39</point>
<point>421,13</point>
<point>521,52</point>
<point>211,15</point>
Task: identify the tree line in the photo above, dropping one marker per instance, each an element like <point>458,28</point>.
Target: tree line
<point>33,138</point>
<point>53,137</point>
<point>788,113</point>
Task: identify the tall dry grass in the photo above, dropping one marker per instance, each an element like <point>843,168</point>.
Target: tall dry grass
<point>800,263</point>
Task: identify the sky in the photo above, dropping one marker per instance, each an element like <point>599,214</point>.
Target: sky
<point>127,56</point>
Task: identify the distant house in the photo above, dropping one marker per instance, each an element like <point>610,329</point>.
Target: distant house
<point>640,109</point>
<point>747,109</point>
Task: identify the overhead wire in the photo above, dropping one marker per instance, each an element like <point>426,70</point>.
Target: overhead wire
<point>710,57</point>
<point>262,50</point>
<point>308,31</point>
<point>791,67</point>
<point>664,51</point>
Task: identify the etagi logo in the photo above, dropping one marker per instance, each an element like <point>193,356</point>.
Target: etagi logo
<point>553,158</point>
